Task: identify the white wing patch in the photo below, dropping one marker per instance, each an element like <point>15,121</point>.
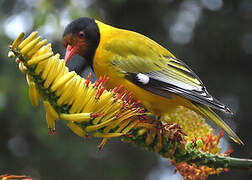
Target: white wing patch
<point>159,76</point>
<point>144,79</point>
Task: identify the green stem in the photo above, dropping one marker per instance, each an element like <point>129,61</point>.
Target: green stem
<point>240,163</point>
<point>189,154</point>
<point>215,161</point>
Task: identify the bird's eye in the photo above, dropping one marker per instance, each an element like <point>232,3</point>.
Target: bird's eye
<point>81,34</point>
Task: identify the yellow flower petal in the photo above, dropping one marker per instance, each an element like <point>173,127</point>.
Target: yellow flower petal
<point>30,45</point>
<point>32,36</point>
<point>80,117</point>
<point>108,135</point>
<point>50,121</point>
<point>52,72</point>
<point>50,110</point>
<point>40,58</point>
<point>40,67</point>
<point>62,80</point>
<point>129,127</point>
<point>98,126</point>
<point>67,93</point>
<point>18,40</point>
<point>36,48</point>
<point>76,129</point>
<point>33,94</point>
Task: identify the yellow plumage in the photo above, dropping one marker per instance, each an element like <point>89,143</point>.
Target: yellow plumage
<point>154,75</point>
<point>121,51</point>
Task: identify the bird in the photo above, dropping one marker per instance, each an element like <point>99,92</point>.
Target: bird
<point>152,73</point>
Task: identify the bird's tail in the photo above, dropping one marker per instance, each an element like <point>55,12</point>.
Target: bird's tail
<point>209,113</point>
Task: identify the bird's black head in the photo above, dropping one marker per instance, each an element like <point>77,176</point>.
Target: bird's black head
<point>81,37</point>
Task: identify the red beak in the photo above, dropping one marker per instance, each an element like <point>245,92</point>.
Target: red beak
<point>70,51</point>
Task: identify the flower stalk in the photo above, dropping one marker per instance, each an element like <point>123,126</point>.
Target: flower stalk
<point>91,110</point>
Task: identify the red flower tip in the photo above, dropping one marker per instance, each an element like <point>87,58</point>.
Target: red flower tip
<point>96,84</point>
<point>95,115</point>
<point>129,135</point>
<point>88,79</point>
<point>52,131</point>
<point>99,92</point>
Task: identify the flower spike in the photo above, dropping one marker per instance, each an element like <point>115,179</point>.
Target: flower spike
<point>89,109</point>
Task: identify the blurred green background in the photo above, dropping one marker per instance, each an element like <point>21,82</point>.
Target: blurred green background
<point>214,37</point>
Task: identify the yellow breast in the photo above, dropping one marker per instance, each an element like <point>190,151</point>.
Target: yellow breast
<point>102,64</point>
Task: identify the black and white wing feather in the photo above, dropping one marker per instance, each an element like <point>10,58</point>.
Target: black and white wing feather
<point>176,77</point>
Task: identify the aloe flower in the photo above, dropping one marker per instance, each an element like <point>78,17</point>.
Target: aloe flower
<point>91,110</point>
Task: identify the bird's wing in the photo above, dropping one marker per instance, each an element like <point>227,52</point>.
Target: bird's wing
<point>155,69</point>
<point>177,79</point>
